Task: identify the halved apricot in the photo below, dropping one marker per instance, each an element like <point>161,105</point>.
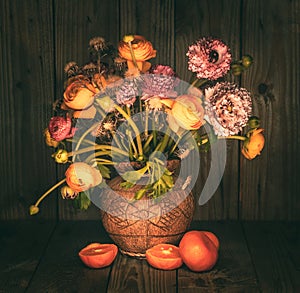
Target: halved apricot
<point>96,255</point>
<point>164,256</point>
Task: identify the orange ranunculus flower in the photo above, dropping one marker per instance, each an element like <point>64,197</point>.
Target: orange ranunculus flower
<point>142,49</point>
<point>81,176</point>
<point>79,94</point>
<point>186,111</point>
<point>254,144</point>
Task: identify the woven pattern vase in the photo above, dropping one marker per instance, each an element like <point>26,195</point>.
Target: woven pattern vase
<point>133,229</point>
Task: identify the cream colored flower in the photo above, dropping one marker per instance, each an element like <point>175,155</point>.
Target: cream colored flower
<point>186,112</point>
<point>81,176</point>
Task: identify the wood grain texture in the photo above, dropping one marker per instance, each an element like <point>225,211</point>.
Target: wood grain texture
<point>76,22</point>
<point>270,184</point>
<point>21,246</point>
<point>39,37</point>
<point>233,271</point>
<point>41,256</point>
<point>61,269</point>
<point>136,275</point>
<point>27,89</point>
<point>220,19</point>
<point>279,244</point>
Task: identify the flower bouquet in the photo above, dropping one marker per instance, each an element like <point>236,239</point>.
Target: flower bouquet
<point>124,120</point>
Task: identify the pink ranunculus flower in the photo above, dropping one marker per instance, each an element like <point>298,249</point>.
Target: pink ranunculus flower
<point>228,108</point>
<point>185,112</point>
<point>80,176</point>
<point>61,128</point>
<point>209,58</point>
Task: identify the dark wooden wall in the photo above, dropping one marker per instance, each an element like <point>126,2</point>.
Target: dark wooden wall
<point>39,36</point>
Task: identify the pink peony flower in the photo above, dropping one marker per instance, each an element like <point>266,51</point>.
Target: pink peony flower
<point>209,58</point>
<point>228,108</point>
<point>61,128</point>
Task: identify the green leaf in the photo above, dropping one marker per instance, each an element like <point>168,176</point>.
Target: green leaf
<point>104,170</point>
<point>127,184</point>
<point>168,180</point>
<point>82,201</point>
<point>134,176</point>
<point>139,194</point>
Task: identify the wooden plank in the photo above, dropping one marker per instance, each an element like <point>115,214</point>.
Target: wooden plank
<point>136,275</point>
<point>21,247</point>
<point>61,269</point>
<point>26,94</point>
<point>155,21</point>
<point>220,19</point>
<point>274,249</point>
<point>269,184</point>
<point>76,22</point>
<point>233,271</point>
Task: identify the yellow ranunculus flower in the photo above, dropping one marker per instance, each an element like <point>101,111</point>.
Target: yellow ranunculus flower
<point>61,156</point>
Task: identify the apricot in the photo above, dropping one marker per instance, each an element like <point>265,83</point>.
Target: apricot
<point>199,250</point>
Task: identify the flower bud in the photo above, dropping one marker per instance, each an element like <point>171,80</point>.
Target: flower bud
<point>236,69</point>
<point>247,60</point>
<point>253,122</point>
<point>33,210</point>
<point>128,38</point>
<point>61,156</point>
<point>68,193</point>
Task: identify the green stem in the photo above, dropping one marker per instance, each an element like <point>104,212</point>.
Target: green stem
<point>238,137</point>
<point>132,145</point>
<point>146,122</point>
<point>135,129</point>
<point>102,153</point>
<point>198,82</point>
<point>177,142</point>
<point>148,141</point>
<point>154,133</point>
<point>49,191</point>
<point>132,55</point>
<point>82,138</point>
<point>131,141</point>
<point>115,138</point>
<point>97,147</point>
<point>103,161</point>
<point>165,140</point>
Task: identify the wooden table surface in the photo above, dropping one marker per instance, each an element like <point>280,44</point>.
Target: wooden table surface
<point>37,256</point>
